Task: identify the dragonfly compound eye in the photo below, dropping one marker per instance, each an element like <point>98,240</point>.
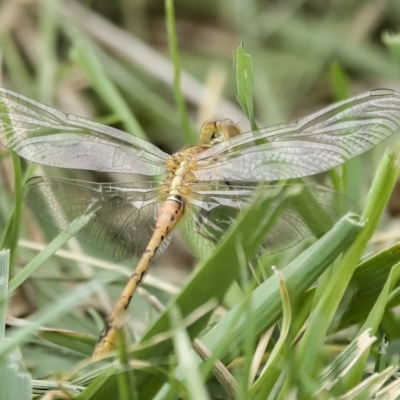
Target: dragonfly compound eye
<point>216,131</point>
<point>208,131</point>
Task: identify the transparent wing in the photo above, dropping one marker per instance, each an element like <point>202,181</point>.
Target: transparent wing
<point>117,219</point>
<point>46,136</point>
<point>297,212</point>
<point>311,145</point>
<point>197,236</point>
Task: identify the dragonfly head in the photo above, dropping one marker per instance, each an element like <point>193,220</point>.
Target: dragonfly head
<point>216,131</point>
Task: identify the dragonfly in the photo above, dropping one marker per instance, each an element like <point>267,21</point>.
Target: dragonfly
<point>205,187</point>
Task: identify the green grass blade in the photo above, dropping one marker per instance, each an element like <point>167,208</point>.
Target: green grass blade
<point>173,49</point>
<point>248,346</point>
<point>95,391</point>
<point>265,300</point>
<point>15,382</point>
<point>390,391</point>
<point>245,83</point>
<point>48,251</point>
<point>270,373</point>
<point>37,261</point>
<point>84,55</point>
<point>47,58</point>
<point>11,234</point>
<point>298,275</point>
<point>41,387</point>
<point>186,360</point>
<point>392,41</point>
<point>126,379</point>
<point>75,341</point>
<point>340,82</point>
<point>340,366</point>
<point>4,274</point>
<point>338,281</point>
<point>150,98</point>
<point>365,287</point>
<point>372,324</point>
<point>341,89</point>
<point>56,310</point>
<point>9,238</point>
<point>12,60</point>
<point>369,388</point>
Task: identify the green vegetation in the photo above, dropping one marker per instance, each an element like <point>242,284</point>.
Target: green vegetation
<point>322,323</point>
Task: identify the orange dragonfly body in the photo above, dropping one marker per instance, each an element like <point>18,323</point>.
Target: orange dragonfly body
<point>204,188</point>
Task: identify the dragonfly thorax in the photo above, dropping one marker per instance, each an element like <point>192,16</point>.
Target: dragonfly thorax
<point>180,172</point>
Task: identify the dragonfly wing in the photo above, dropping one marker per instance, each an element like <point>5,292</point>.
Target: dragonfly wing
<point>198,235</point>
<point>117,219</point>
<point>311,145</point>
<point>297,212</point>
<point>46,136</point>
<point>306,211</point>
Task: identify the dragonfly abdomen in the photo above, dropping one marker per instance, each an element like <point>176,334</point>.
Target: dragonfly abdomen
<point>169,216</point>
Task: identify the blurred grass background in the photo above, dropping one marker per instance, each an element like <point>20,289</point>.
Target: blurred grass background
<point>110,61</point>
